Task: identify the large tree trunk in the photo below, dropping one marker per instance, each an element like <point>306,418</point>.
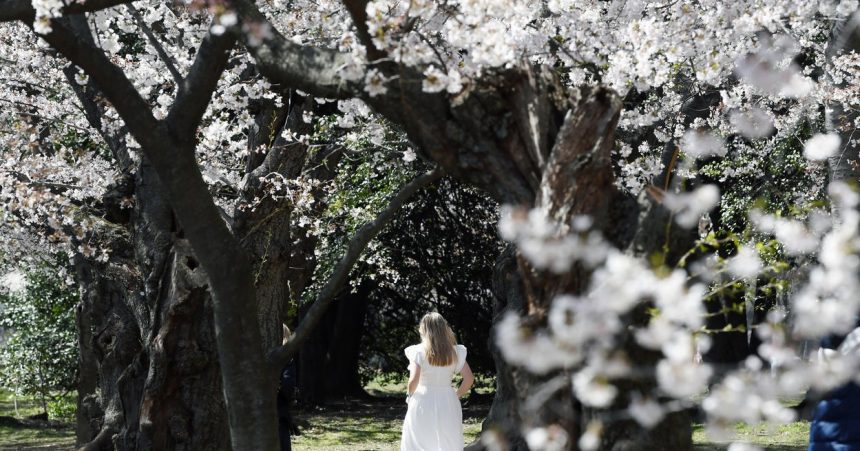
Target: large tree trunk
<point>150,377</point>
<point>182,405</point>
<point>109,340</point>
<point>504,415</point>
<point>328,361</point>
<point>527,141</point>
<point>149,368</point>
<point>175,398</point>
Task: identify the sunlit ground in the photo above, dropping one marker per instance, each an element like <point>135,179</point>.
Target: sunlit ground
<point>31,437</point>
<point>786,437</point>
<point>365,427</point>
<point>352,431</point>
<point>374,425</point>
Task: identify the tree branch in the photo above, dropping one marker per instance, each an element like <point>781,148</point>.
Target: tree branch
<point>247,390</point>
<point>11,10</point>
<point>310,69</point>
<point>279,356</point>
<point>88,96</point>
<point>111,81</point>
<point>195,91</point>
<point>153,40</point>
<point>358,12</point>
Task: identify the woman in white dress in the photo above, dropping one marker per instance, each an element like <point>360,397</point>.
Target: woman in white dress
<point>434,419</point>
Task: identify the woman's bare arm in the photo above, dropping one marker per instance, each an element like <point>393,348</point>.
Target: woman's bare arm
<point>414,375</point>
<point>468,380</point>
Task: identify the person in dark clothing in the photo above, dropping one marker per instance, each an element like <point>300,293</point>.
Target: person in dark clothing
<point>836,420</point>
<point>286,390</point>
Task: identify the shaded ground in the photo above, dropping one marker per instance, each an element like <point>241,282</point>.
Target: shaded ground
<point>18,433</point>
<point>375,425</point>
<point>43,438</point>
<point>361,425</point>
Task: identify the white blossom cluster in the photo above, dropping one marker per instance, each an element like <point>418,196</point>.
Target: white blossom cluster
<point>45,11</point>
<point>584,331</point>
<point>533,230</point>
<point>54,165</point>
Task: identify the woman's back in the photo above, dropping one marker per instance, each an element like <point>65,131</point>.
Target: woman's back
<point>432,375</point>
<point>434,420</point>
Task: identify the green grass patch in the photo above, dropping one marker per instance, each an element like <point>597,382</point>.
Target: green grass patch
<point>387,388</point>
<point>373,425</point>
<point>41,437</point>
<point>783,437</point>
<point>35,435</point>
<point>26,406</point>
<point>376,426</point>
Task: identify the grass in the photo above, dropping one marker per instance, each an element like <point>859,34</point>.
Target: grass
<point>34,435</point>
<point>374,424</point>
<point>26,406</point>
<point>360,425</point>
<point>370,424</point>
<point>44,438</point>
<point>785,437</point>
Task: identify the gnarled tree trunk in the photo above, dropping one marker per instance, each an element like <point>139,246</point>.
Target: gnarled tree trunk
<point>150,376</point>
<point>528,141</point>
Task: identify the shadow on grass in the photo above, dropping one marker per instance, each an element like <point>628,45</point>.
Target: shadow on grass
<point>368,424</point>
<point>33,437</point>
<point>18,433</point>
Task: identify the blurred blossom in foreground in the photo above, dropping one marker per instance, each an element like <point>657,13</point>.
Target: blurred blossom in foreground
<point>741,446</point>
<point>13,282</point>
<point>545,245</point>
<point>753,123</point>
<point>821,147</point>
<point>702,144</point>
<point>746,263</point>
<point>646,411</point>
<point>769,68</point>
<point>689,207</point>
<point>794,236</point>
<point>494,440</point>
<point>551,438</point>
<point>590,440</point>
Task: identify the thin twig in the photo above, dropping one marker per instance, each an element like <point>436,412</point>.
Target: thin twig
<point>153,40</point>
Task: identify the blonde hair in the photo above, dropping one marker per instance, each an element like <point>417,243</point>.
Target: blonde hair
<point>438,340</point>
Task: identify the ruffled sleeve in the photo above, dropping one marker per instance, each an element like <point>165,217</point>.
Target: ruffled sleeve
<point>461,356</point>
<point>413,353</point>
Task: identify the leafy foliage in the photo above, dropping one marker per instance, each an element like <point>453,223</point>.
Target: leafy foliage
<point>38,354</point>
<point>438,256</point>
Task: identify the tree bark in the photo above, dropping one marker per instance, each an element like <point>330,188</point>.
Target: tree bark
<point>169,146</point>
<point>150,377</point>
<point>548,149</point>
<point>504,415</point>
<point>329,359</point>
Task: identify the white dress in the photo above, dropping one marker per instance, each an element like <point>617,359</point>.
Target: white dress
<point>434,419</point>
